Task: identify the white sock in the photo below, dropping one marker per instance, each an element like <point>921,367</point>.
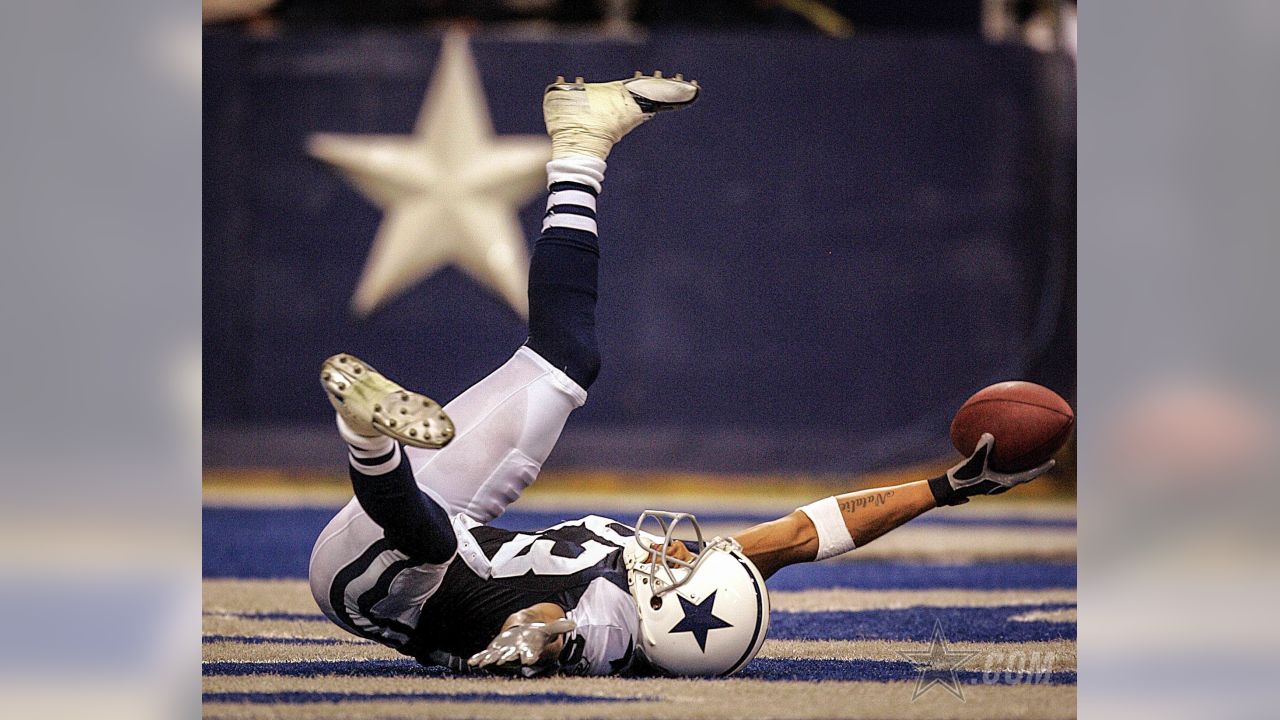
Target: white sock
<point>580,169</point>
<point>366,446</point>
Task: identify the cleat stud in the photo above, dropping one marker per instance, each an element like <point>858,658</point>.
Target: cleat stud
<point>404,397</point>
<point>657,73</point>
<point>342,360</point>
<point>679,76</point>
<point>559,79</point>
<point>638,74</point>
<point>325,376</point>
<point>377,408</point>
<point>694,83</point>
<point>578,80</point>
<point>392,423</point>
<point>342,386</point>
<point>413,433</point>
<point>404,411</point>
<point>426,403</point>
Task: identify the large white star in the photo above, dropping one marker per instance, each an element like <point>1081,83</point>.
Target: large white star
<point>449,192</point>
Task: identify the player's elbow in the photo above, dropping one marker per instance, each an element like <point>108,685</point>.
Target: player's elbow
<point>776,544</point>
<point>801,535</point>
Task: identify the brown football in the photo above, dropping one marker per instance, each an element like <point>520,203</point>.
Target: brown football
<point>1030,423</point>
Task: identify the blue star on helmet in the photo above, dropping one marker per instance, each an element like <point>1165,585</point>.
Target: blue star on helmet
<point>699,620</point>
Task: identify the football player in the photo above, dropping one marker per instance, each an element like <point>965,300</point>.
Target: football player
<point>411,562</point>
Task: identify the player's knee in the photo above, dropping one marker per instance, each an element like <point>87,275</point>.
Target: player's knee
<point>426,547</point>
<point>588,359</point>
<point>580,359</point>
<point>574,353</point>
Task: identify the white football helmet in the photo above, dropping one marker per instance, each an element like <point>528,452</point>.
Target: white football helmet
<point>704,617</point>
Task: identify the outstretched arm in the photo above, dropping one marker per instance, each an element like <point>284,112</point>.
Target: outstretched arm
<point>837,524</point>
<point>867,515</point>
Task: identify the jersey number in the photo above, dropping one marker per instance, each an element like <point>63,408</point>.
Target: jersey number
<point>523,553</point>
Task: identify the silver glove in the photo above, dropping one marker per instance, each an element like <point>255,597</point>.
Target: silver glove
<point>521,644</point>
<point>975,477</point>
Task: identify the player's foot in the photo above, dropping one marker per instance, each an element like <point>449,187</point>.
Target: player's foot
<point>371,404</point>
<point>588,118</point>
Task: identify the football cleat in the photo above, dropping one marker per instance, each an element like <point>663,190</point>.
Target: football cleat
<point>588,118</point>
<point>371,404</point>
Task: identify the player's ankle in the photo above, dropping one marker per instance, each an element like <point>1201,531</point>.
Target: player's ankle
<point>581,144</point>
<point>358,439</point>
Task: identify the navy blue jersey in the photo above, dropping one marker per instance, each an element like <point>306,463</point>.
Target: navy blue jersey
<point>456,608</point>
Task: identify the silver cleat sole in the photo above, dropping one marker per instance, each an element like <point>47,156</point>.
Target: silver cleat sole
<point>369,401</point>
<point>653,93</point>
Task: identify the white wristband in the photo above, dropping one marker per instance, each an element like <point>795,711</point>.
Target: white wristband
<point>833,535</point>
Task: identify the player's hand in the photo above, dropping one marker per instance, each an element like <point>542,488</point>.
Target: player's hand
<point>975,477</point>
<point>521,645</point>
<point>677,549</point>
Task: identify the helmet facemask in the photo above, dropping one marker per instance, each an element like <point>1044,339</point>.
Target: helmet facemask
<point>661,560</point>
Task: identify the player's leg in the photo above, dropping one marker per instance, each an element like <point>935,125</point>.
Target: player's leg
<point>370,408</point>
<point>507,424</point>
<point>584,121</point>
<point>415,523</point>
<point>835,525</point>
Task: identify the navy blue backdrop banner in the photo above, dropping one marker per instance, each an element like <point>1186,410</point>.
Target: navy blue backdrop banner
<point>808,271</point>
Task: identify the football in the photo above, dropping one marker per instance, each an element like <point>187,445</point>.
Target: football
<point>1030,423</point>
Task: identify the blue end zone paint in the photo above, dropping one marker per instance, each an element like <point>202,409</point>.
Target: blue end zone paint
<point>960,624</point>
<point>772,669</point>
<point>267,640</point>
<point>888,671</point>
<point>983,624</point>
<point>260,543</point>
<point>276,543</point>
<point>890,575</point>
<point>868,575</point>
<point>297,697</point>
<point>313,668</point>
<point>516,519</point>
<point>311,617</point>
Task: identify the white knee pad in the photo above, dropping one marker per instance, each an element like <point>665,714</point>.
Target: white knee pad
<point>833,535</point>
